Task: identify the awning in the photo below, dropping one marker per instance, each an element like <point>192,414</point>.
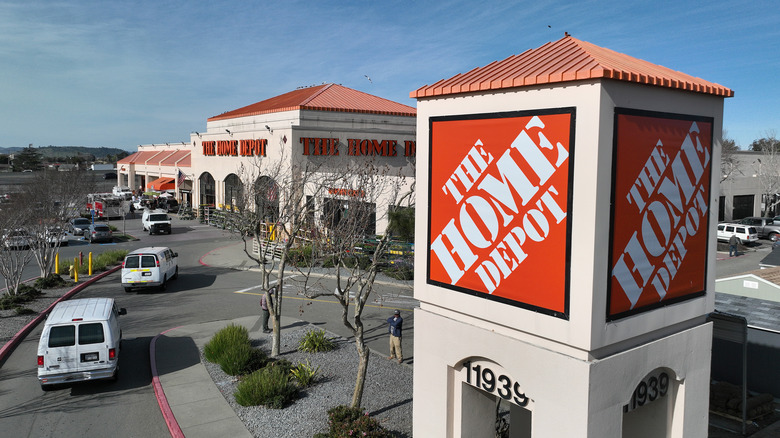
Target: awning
<point>161,184</point>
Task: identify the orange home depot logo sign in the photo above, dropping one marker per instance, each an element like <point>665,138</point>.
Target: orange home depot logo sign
<point>500,206</point>
<point>660,210</point>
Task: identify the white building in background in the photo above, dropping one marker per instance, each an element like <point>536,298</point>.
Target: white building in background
<point>750,183</point>
<point>330,125</point>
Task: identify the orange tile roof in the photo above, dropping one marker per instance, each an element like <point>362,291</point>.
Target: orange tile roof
<point>140,157</point>
<point>176,156</point>
<point>328,97</point>
<point>567,59</point>
<point>130,159</point>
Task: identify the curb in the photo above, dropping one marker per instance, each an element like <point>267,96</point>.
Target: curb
<point>162,400</point>
<point>14,341</point>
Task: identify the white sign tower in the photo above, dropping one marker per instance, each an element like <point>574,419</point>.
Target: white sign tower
<point>564,257</point>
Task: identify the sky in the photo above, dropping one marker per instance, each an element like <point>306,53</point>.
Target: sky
<point>125,73</point>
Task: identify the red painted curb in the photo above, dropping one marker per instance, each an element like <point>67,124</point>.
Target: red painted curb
<point>14,341</point>
<point>162,400</point>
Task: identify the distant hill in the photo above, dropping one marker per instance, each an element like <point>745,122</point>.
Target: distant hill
<point>69,151</point>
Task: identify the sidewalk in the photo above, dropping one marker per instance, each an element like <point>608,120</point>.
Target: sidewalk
<point>191,404</point>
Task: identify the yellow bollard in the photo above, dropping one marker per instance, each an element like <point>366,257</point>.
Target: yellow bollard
<point>90,264</point>
<point>57,263</point>
<point>76,270</point>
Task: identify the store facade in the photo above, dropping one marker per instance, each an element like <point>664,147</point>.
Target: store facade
<point>328,129</point>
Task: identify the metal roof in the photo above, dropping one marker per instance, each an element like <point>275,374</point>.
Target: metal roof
<point>565,60</point>
<point>327,97</point>
<point>758,313</point>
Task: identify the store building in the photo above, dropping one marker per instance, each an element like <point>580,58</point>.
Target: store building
<point>328,125</point>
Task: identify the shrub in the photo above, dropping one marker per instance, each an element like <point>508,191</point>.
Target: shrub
<point>229,338</point>
<point>283,364</point>
<point>399,272</point>
<point>304,374</point>
<point>24,311</point>
<point>99,263</point>
<point>257,360</point>
<point>315,341</point>
<point>361,261</point>
<point>51,281</point>
<point>269,386</point>
<point>28,291</point>
<point>329,262</point>
<point>12,301</point>
<point>301,256</point>
<point>346,422</point>
<point>234,360</point>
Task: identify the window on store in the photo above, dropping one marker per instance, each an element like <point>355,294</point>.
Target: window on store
<point>233,192</point>
<point>267,199</point>
<point>350,215</point>
<point>207,192</point>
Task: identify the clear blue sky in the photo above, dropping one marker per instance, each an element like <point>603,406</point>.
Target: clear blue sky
<point>124,73</point>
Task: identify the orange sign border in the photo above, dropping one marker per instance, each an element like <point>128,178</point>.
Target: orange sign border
<point>566,257</point>
<point>692,293</point>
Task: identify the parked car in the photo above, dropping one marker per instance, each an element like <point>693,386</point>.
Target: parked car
<point>149,267</point>
<point>99,233</point>
<point>78,225</point>
<point>16,239</point>
<point>766,227</point>
<point>80,341</point>
<point>57,235</point>
<point>745,233</point>
<point>109,175</point>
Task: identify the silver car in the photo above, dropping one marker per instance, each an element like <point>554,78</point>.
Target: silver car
<point>79,225</point>
<point>99,233</point>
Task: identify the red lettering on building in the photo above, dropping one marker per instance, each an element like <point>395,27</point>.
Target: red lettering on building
<point>410,148</point>
<point>253,148</point>
<point>320,146</point>
<point>347,192</point>
<point>209,148</point>
<point>227,147</point>
<point>381,148</point>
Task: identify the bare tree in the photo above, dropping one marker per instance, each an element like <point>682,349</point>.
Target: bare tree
<point>348,222</point>
<point>770,142</point>
<point>274,219</point>
<point>53,197</point>
<point>767,169</point>
<point>14,255</point>
<point>729,164</point>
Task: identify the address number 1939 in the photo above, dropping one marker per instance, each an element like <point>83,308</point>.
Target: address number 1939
<point>480,375</point>
<point>649,390</point>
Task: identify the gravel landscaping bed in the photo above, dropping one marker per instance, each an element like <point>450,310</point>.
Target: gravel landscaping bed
<point>387,395</point>
<point>11,323</point>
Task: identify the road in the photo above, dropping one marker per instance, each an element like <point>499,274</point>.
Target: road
<point>128,408</point>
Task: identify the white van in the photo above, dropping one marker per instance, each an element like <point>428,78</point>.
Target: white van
<point>149,267</point>
<point>80,341</point>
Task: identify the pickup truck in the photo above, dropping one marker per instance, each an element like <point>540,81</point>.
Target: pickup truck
<point>766,227</point>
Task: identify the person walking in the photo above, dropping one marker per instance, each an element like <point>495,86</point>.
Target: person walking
<point>733,242</point>
<point>266,313</point>
<point>395,324</point>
